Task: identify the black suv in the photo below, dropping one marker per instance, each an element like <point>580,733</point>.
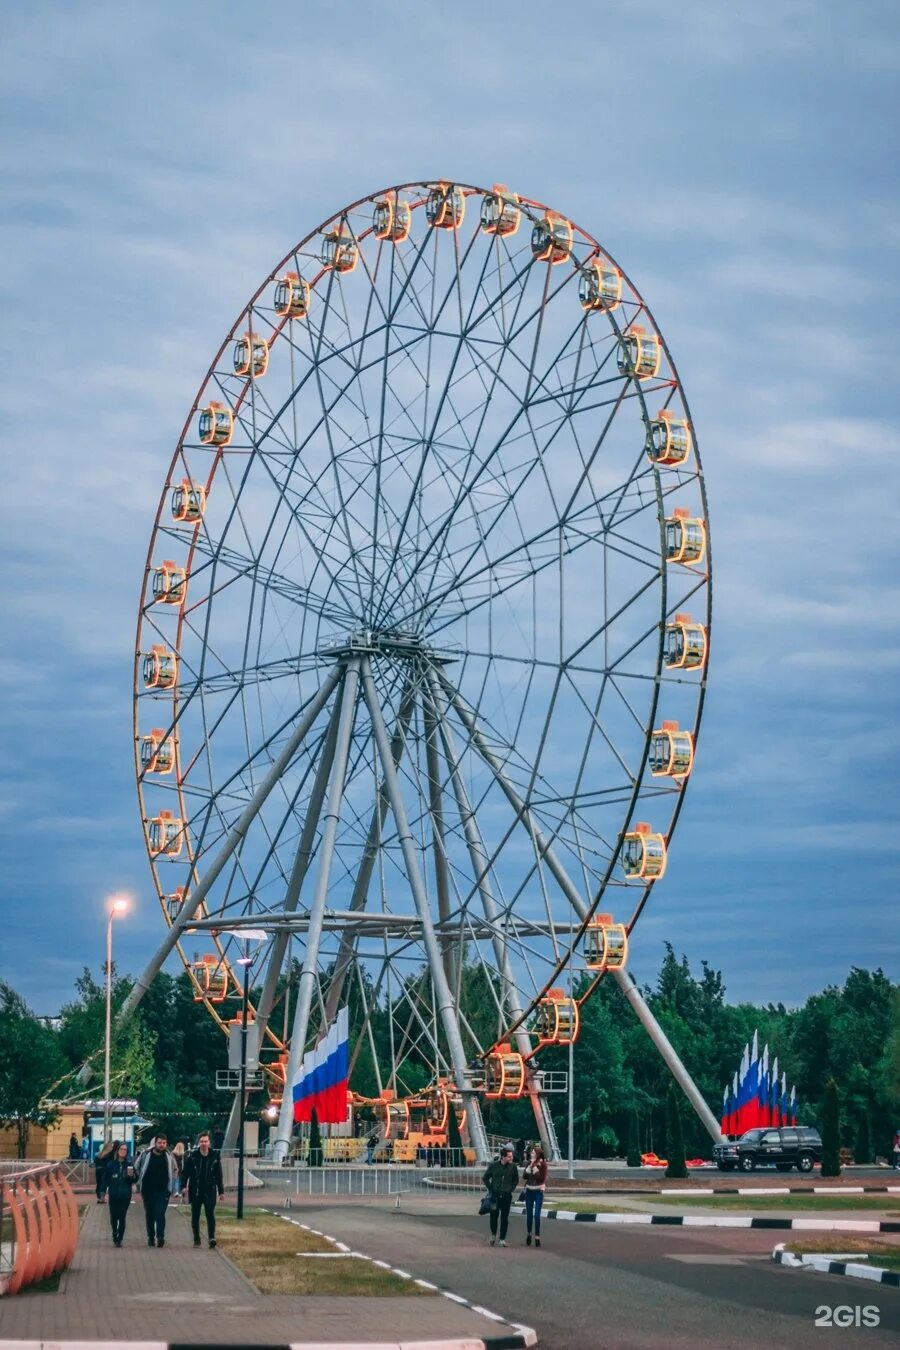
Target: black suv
<point>793,1146</point>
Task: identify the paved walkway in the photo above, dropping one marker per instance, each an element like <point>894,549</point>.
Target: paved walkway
<point>181,1293</point>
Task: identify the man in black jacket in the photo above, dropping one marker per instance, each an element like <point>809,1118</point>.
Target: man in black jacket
<point>500,1179</point>
<point>202,1183</point>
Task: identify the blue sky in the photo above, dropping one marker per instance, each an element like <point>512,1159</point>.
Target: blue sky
<point>159,159</point>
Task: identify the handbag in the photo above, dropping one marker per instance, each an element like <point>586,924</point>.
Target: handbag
<point>521,1199</point>
<point>488,1204</point>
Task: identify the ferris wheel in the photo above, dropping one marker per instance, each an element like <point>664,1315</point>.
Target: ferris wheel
<point>422,641</point>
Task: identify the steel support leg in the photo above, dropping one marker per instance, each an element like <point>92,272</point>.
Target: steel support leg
<point>436,809</point>
<point>479,861</point>
<point>307,984</point>
<point>442,989</point>
<point>197,895</point>
<point>665,1047</point>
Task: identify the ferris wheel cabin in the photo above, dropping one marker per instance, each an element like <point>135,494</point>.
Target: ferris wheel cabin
<point>216,424</point>
<point>685,644</point>
<point>291,297</point>
<point>668,440</point>
<point>605,944</point>
<point>165,835</point>
<point>210,975</point>
<point>671,752</point>
<point>557,1019</point>
<point>500,213</point>
<point>340,251</point>
<point>160,669</point>
<point>445,207</point>
<point>640,354</point>
<point>551,239</point>
<point>504,1073</point>
<point>599,287</point>
<point>251,356</point>
<point>644,853</point>
<point>169,583</point>
<point>157,752</point>
<point>174,902</point>
<point>188,502</point>
<point>685,538</point>
<point>391,220</point>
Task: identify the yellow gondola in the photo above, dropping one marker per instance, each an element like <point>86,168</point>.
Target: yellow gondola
<point>445,207</point>
<point>174,901</point>
<point>251,356</point>
<point>685,538</point>
<point>211,979</point>
<point>605,944</point>
<point>640,354</point>
<point>340,251</point>
<point>668,440</point>
<point>391,220</point>
<point>600,286</point>
<point>500,211</point>
<point>557,1019</point>
<point>165,835</point>
<point>671,752</point>
<point>157,752</point>
<point>169,585</point>
<point>188,502</point>
<point>644,853</point>
<point>160,668</point>
<point>291,296</point>
<point>215,425</point>
<point>504,1073</point>
<point>685,645</point>
<point>551,239</point>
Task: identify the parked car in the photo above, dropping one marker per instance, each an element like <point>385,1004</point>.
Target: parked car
<point>797,1146</point>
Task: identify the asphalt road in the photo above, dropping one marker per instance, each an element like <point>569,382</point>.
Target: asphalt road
<point>590,1287</point>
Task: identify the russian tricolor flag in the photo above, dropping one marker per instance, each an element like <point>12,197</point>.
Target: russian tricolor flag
<point>322,1080</point>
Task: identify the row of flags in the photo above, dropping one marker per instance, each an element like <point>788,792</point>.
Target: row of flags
<point>321,1082</point>
<point>758,1094</point>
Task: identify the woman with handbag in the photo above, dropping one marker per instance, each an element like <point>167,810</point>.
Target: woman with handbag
<point>534,1176</point>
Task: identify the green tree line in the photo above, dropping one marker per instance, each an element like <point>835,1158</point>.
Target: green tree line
<point>169,1052</point>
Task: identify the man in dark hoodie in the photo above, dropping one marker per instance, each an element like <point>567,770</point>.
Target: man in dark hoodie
<point>202,1184</point>
<point>156,1173</point>
<point>500,1179</point>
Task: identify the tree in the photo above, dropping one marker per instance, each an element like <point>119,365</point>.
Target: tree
<point>454,1138</point>
<point>862,1150</point>
<point>316,1152</point>
<point>30,1062</point>
<point>674,1135</point>
<point>831,1131</point>
<point>633,1158</point>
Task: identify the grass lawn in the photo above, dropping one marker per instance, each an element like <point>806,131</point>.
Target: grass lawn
<point>266,1248</point>
<point>585,1206</point>
<point>882,1204</point>
<point>884,1254</point>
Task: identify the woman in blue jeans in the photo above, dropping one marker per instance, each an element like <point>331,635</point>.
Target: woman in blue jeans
<point>534,1175</point>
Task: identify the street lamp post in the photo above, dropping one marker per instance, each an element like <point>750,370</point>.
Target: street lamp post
<point>117,906</point>
<point>571,1103</point>
<point>246,960</point>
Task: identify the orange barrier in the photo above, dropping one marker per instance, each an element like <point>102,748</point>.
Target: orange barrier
<point>38,1225</point>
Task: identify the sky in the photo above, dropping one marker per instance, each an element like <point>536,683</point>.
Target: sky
<point>741,164</point>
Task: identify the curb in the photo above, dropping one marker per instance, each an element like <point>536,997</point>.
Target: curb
<point>828,1266</point>
<point>519,1338</point>
<point>723,1221</point>
<point>513,1342</point>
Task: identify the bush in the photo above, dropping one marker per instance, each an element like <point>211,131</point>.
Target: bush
<point>831,1131</point>
<point>674,1135</point>
<point>862,1149</point>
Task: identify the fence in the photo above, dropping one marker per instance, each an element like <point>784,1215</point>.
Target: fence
<point>441,1168</point>
<point>77,1172</point>
<point>38,1225</point>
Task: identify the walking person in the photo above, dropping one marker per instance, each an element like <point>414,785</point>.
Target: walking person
<point>371,1145</point>
<point>895,1149</point>
<point>156,1172</point>
<point>102,1158</point>
<point>74,1148</point>
<point>180,1156</point>
<point>203,1185</point>
<point>501,1178</point>
<point>120,1180</point>
<point>534,1177</point>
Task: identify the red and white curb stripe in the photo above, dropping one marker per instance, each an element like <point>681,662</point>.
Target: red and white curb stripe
<point>834,1265</point>
<point>520,1338</point>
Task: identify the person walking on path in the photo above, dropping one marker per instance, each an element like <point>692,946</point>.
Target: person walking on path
<point>501,1178</point>
<point>895,1149</point>
<point>156,1172</point>
<point>74,1148</point>
<point>180,1156</point>
<point>203,1185</point>
<point>534,1177</point>
<point>102,1158</point>
<point>119,1185</point>
<point>371,1145</point>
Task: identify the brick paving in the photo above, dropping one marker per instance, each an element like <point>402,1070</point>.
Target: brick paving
<point>184,1293</point>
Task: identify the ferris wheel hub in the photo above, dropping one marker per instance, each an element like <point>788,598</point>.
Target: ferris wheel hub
<point>392,642</point>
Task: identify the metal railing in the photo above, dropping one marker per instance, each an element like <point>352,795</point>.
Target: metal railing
<point>38,1225</point>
